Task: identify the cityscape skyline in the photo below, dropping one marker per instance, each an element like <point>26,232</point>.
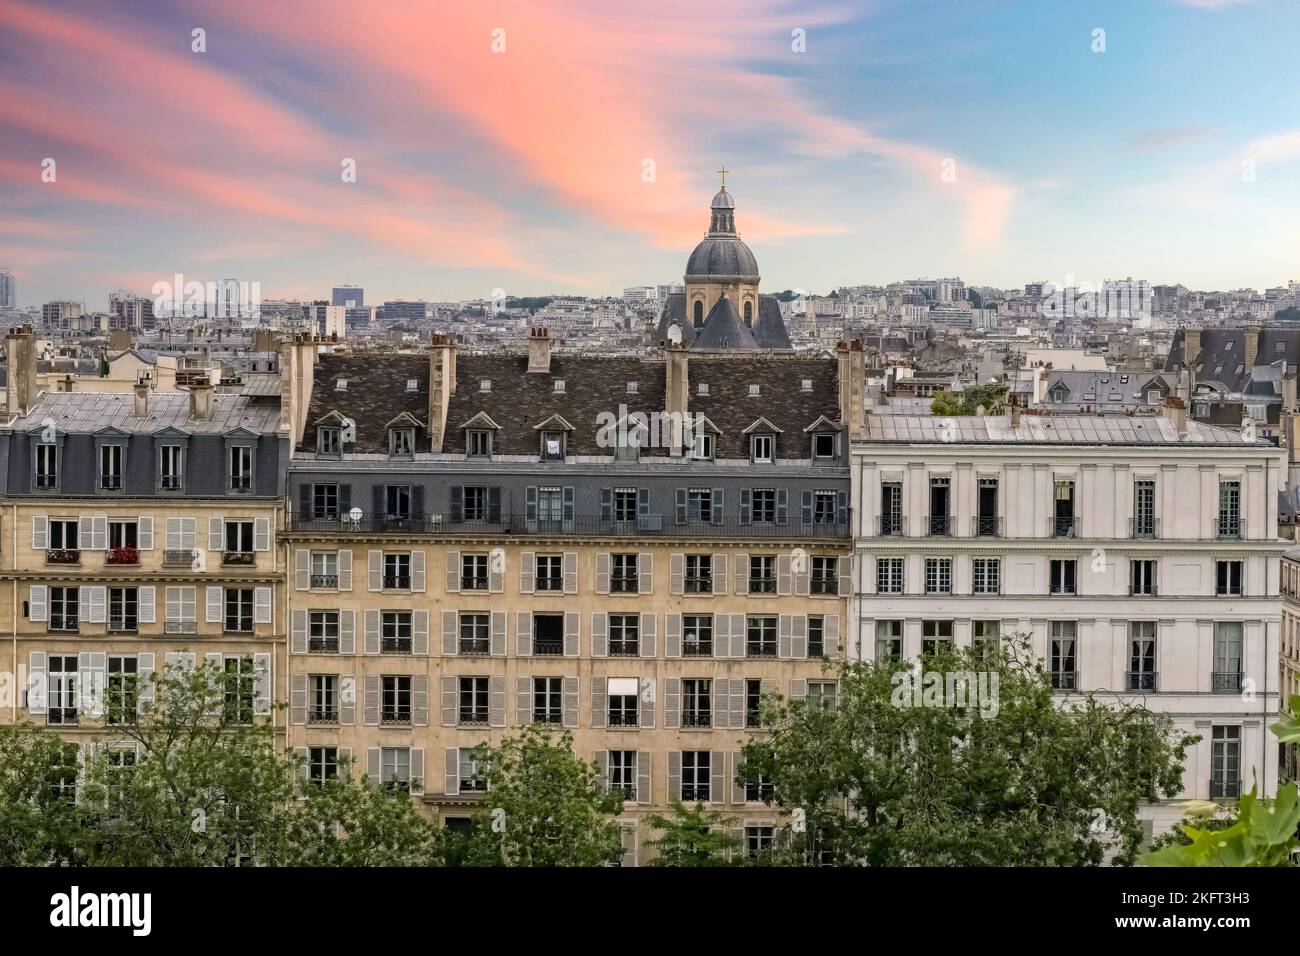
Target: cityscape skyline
<point>468,179</point>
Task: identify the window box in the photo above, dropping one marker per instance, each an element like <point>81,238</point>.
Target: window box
<point>125,555</point>
<point>62,556</point>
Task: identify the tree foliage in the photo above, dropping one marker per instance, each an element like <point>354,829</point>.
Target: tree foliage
<point>40,820</point>
<point>968,401</point>
<point>693,836</point>
<point>1263,834</point>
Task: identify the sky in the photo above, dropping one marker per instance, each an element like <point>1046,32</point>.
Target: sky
<point>571,146</point>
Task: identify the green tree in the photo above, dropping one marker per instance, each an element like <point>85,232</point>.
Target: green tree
<point>41,822</point>
<point>992,397</point>
<point>544,806</point>
<point>1263,834</point>
<point>693,836</point>
<point>1010,778</point>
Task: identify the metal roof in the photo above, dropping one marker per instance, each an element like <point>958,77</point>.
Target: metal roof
<point>89,412</point>
<point>1049,430</point>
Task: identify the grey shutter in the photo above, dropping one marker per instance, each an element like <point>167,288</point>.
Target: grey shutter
<point>570,690</point>
<point>570,566</point>
<point>645,708</point>
<point>719,563</point>
<point>742,574</point>
<point>262,609</point>
<point>144,679</point>
<point>420,633</point>
<point>806,507</point>
<point>718,776</point>
<point>375,569</point>
<point>496,701</point>
<point>298,631</point>
<point>831,635</point>
<point>302,569</point>
<point>372,631</point>
<point>450,626</point>
<point>345,569</point>
<point>572,633</point>
<point>370,704</point>
<point>799,637</point>
<point>37,683</point>
<point>841,508</point>
<point>785,638</point>
<point>672,703</point>
<point>676,573</point>
<point>298,699</point>
<point>144,532</point>
<point>494,504</point>
<point>681,506</point>
<point>524,633</point>
<point>782,506</point>
<point>453,572</point>
<point>304,502</point>
<point>567,496</point>
<point>216,533</point>
<point>40,532</point>
<point>497,625</point>
<point>644,787</point>
<point>451,779</point>
<point>527,571</point>
<point>449,701</point>
<point>783,577</point>
<point>457,502</point>
<point>717,506</point>
<point>722,635</point>
<point>417,570</point>
<point>347,631</point>
<point>738,635</point>
<point>602,572</point>
<point>672,635</point>
<point>417,770</point>
<point>600,634</point>
<point>347,700</point>
<point>737,788</point>
<point>523,701</point>
<point>647,637</point>
<point>374,766</point>
<point>674,775</point>
<point>645,573</point>
<point>746,497</point>
<point>147,604</point>
<point>737,704</point>
<point>606,504</point>
<point>599,702</point>
<point>642,505</point>
<point>377,504</point>
<point>420,700</point>
<point>530,504</point>
<point>798,689</point>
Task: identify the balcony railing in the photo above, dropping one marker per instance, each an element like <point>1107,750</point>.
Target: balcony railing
<point>760,650</point>
<point>1065,680</point>
<point>986,526</point>
<point>395,718</point>
<point>1063,526</point>
<point>697,719</point>
<point>178,559</point>
<point>1140,680</point>
<point>325,580</point>
<point>762,585</point>
<point>472,716</point>
<point>548,646</point>
<point>698,585</point>
<point>1142,590</point>
<point>123,625</point>
<point>123,555</point>
<point>241,482</point>
<point>1225,682</point>
<point>551,715</point>
<point>47,481</point>
<point>1227,527</point>
<point>1144,527</point>
<point>622,718</point>
<point>110,482</point>
<point>891,526</point>
<point>170,483</point>
<point>624,648</point>
<point>583,524</point>
<point>62,556</point>
<point>623,584</point>
<point>67,624</point>
<point>938,525</point>
<point>473,582</point>
<point>395,645</point>
<point>322,716</point>
<point>824,584</point>
<point>323,645</point>
<point>238,558</point>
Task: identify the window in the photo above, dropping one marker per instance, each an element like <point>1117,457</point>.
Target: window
<point>63,534</point>
<point>1064,663</point>
<point>936,637</point>
<point>401,442</point>
<point>984,637</point>
<point>889,640</point>
<point>1063,576</point>
<point>816,636</point>
<point>119,763</point>
<point>699,504</point>
<point>624,695</point>
<point>64,773</point>
<point>1226,674</point>
<point>123,605</point>
<point>1142,577</point>
<point>322,764</point>
<point>763,505</point>
<point>697,706</point>
<point>1142,655</point>
<point>695,776</point>
<point>762,574</point>
<point>699,574</point>
<point>891,508</point>
<point>122,535</point>
<point>825,578</point>
<point>1144,508</point>
<point>395,699</point>
<point>110,467</point>
<point>753,702</point>
<point>474,634</point>
<point>940,520</point>
<point>553,446</point>
<point>824,445</point>
<point>548,700</point>
<point>758,840</point>
<point>478,444</point>
<point>47,472</point>
<point>622,772</point>
<point>987,522</point>
<point>322,699</point>
<point>397,502</point>
<point>697,635</point>
<point>986,575</point>
<point>821,694</point>
<point>171,474</point>
<point>624,501</point>
<point>761,448</point>
<point>241,468</point>
<point>760,636</point>
<point>63,609</point>
<point>889,575</point>
<point>397,572</point>
<point>474,572</point>
<point>395,767</point>
<point>325,501</point>
<point>824,507</point>
<point>759,791</point>
<point>239,610</point>
<point>938,575</point>
<point>329,441</point>
<point>323,632</point>
<point>550,504</point>
<point>238,704</point>
<point>702,449</point>
<point>239,541</point>
<point>550,573</point>
<point>324,569</point>
<point>1229,523</point>
<point>548,634</point>
<point>624,631</point>
<point>395,632</point>
<point>1225,762</point>
<point>1064,522</point>
<point>627,446</point>
<point>1228,578</point>
<point>623,577</point>
<point>476,503</point>
<point>121,698</point>
<point>61,702</point>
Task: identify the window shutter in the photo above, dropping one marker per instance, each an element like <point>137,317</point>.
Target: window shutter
<point>144,680</point>
<point>570,572</point>
<point>717,505</point>
<point>782,506</point>
<point>345,762</point>
<point>189,534</point>
<point>146,612</point>
<point>844,564</point>
<point>304,502</point>
<point>527,571</point>
<point>345,569</point>
<point>496,701</point>
<point>530,504</point>
<point>831,635</point>
<point>189,604</point>
<point>40,532</point>
<point>737,788</point>
<point>449,702</point>
<point>174,535</point>
<point>420,633</point>
<point>722,635</point>
<point>645,709</point>
<point>676,573</point>
<point>524,633</point>
<point>645,573</point>
<point>718,776</point>
<point>681,506</point>
<point>523,701</point>
<point>606,504</point>
<point>217,533</point>
<point>450,625</point>
<point>457,503</point>
<point>453,572</point>
<point>572,633</point>
<point>644,791</point>
<point>345,499</point>
<point>720,704</point>
<point>298,631</point>
<point>600,634</point>
<point>642,504</point>
<point>371,702</point>
<point>37,685</point>
<point>451,778</point>
<point>799,567</point>
<point>746,498</point>
<point>213,597</point>
<point>841,508</point>
<point>298,699</point>
<point>742,574</point>
<point>173,605</point>
<point>799,637</point>
<point>372,630</point>
<point>498,644</point>
<point>738,635</point>
<point>375,567</point>
<point>599,702</point>
<point>262,609</point>
<point>648,638</point>
<point>261,534</point>
<point>719,574</point>
<point>417,770</point>
<point>94,599</point>
<point>602,572</point>
<point>374,765</point>
<point>377,495</point>
<point>144,532</point>
<point>347,701</point>
<point>673,635</point>
<point>785,638</point>
<point>806,507</point>
<point>737,704</point>
<point>261,684</point>
<point>85,533</point>
<point>783,581</point>
<point>302,570</point>
<point>420,700</point>
<point>674,775</point>
<point>798,689</point>
<point>99,533</point>
<point>496,571</point>
<point>417,502</point>
<point>672,703</point>
<point>347,631</point>
<point>98,682</point>
<point>570,690</point>
<point>567,496</point>
<point>601,758</point>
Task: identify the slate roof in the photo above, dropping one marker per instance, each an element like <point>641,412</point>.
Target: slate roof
<point>674,310</point>
<point>780,399</point>
<point>89,412</point>
<point>1113,390</point>
<point>724,330</point>
<point>376,392</point>
<point>1049,430</point>
<point>769,330</point>
<point>722,257</point>
<point>1222,350</point>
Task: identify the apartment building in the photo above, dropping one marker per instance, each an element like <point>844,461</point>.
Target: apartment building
<point>1139,554</point>
<point>1289,657</point>
<point>140,530</point>
<point>480,542</point>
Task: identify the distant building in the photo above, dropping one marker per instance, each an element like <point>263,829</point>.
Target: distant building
<point>325,320</point>
<point>639,293</point>
<point>58,315</point>
<point>8,290</point>
<point>349,296</point>
<point>127,310</point>
<point>401,310</point>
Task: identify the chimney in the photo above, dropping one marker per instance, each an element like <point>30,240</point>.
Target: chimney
<point>539,350</point>
<point>677,393</point>
<point>202,404</point>
<point>1175,409</point>
<point>20,352</point>
<point>1250,345</point>
<point>853,388</point>
<point>442,385</point>
<point>141,399</point>
<point>1013,407</point>
<point>1191,352</point>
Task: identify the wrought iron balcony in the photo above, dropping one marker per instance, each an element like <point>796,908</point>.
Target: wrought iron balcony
<point>325,580</point>
<point>472,582</point>
<point>180,627</point>
<point>986,526</point>
<point>245,558</point>
<point>1146,526</point>
<point>698,585</point>
<point>123,555</point>
<point>1227,528</point>
<point>1140,680</point>
<point>110,482</point>
<point>178,559</point>
<point>824,584</point>
<point>322,716</point>
<point>891,526</point>
<point>323,645</point>
<point>1225,682</point>
<point>1063,526</point>
<point>938,525</point>
<point>1065,680</point>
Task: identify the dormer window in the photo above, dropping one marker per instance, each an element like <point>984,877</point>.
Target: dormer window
<point>761,447</point>
<point>631,388</point>
<point>329,440</point>
<point>702,450</point>
<point>559,386</point>
<point>806,386</point>
<point>628,445</point>
<point>754,391</point>
<point>478,443</point>
<point>412,385</point>
<point>47,466</point>
<point>401,442</point>
<point>341,385</point>
<point>553,446</point>
<point>485,385</point>
<point>824,445</point>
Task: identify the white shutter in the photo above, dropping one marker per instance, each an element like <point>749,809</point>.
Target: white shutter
<point>144,532</point>
<point>524,633</point>
<point>572,633</point>
<point>372,631</point>
<point>213,597</point>
<point>37,686</point>
<point>420,633</point>
<point>99,533</point>
<point>570,566</point>
<point>647,636</point>
<point>451,779</point>
<point>417,770</point>
<point>38,603</point>
<point>94,599</point>
<point>645,572</point>
<point>420,700</point>
<point>645,710</point>
<point>496,571</point>
<point>783,574</point>
<point>527,571</point>
<point>146,600</point>
<point>298,699</point>
<point>719,569</point>
<point>570,691</point>
<point>298,631</point>
<point>417,570</point>
<point>676,573</point>
<point>144,679</point>
<point>262,605</point>
<point>785,631</point>
<point>347,631</point>
<point>799,637</point>
<point>450,626</point>
<point>498,639</point>
<point>189,604</point>
<point>189,533</point>
<point>175,534</point>
<point>40,532</point>
<point>261,534</point>
<point>261,684</point>
<point>85,533</point>
<point>599,701</point>
<point>217,533</point>
<point>375,567</point>
<point>600,634</point>
<point>302,569</point>
<point>345,569</point>
<point>453,572</point>
<point>831,635</point>
<point>603,562</point>
<point>672,634</point>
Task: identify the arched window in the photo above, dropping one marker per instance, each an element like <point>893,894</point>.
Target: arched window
<point>699,314</point>
<point>749,315</point>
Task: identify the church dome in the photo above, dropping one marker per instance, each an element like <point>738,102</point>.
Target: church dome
<point>722,254</point>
